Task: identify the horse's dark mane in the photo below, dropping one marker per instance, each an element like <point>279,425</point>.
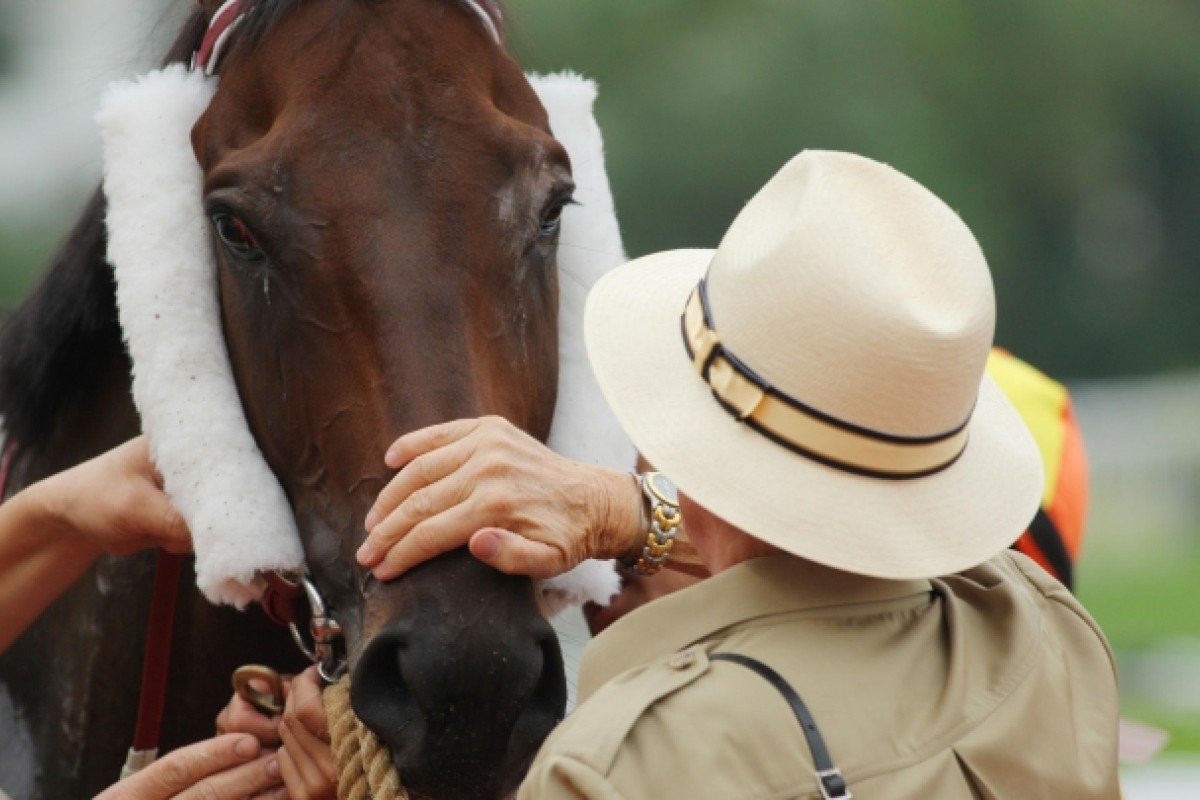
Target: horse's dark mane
<point>55,345</point>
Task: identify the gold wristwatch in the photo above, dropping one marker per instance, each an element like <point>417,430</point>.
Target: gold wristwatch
<point>661,500</point>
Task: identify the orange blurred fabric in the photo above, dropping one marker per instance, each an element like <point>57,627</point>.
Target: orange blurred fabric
<point>1055,537</point>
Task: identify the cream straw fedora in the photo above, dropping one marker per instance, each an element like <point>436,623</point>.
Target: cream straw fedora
<point>818,380</point>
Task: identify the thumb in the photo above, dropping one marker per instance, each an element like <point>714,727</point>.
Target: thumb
<point>165,525</point>
<point>513,554</point>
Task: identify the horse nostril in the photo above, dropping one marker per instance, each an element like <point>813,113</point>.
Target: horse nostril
<point>382,699</point>
<point>543,710</point>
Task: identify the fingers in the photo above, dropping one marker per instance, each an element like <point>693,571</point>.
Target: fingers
<point>155,516</point>
<point>425,440</point>
<point>305,761</point>
<point>184,768</point>
<point>417,493</point>
<point>306,703</point>
<point>258,776</point>
<point>513,554</point>
<point>279,793</point>
<point>306,765</point>
<point>164,524</point>
<point>241,717</point>
<point>443,533</point>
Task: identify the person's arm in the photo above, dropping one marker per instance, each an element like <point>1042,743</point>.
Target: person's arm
<point>519,506</point>
<point>53,530</point>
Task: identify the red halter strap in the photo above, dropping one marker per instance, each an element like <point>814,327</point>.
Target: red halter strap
<point>219,29</point>
<point>156,662</point>
<point>281,599</point>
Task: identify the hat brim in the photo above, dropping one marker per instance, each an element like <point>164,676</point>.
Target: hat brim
<point>899,529</point>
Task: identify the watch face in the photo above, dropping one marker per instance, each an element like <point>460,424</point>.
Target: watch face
<point>662,488</point>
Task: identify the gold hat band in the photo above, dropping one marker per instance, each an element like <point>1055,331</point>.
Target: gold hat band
<point>805,430</point>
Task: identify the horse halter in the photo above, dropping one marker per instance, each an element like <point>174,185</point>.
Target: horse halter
<point>280,601</point>
<point>229,15</point>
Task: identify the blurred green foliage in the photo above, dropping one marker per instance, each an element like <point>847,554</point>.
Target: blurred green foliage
<point>1066,134</point>
<point>1141,600</point>
<point>1144,599</point>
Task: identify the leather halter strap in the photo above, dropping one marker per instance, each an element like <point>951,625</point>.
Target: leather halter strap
<point>220,28</point>
<point>156,661</point>
<point>280,600</point>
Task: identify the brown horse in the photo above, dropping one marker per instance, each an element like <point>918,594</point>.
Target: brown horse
<point>384,197</point>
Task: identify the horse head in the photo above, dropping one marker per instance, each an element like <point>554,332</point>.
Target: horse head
<point>384,196</point>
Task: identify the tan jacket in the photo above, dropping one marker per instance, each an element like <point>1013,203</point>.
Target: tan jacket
<point>990,684</point>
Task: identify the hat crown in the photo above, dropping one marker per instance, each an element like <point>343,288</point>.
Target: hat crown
<point>856,291</point>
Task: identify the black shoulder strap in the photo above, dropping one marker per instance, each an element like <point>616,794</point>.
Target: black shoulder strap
<point>829,777</point>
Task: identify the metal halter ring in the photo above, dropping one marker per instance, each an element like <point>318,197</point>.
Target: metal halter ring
<point>270,702</point>
<point>324,630</point>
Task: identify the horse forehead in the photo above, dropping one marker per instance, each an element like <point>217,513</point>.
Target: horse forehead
<point>362,70</point>
<point>330,36</point>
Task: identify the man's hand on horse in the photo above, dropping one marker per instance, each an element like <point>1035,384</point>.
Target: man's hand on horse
<point>517,505</point>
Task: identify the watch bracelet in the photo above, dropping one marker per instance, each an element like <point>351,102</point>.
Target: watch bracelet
<point>660,536</point>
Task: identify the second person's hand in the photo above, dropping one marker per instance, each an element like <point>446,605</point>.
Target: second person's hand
<point>115,502</point>
<point>228,767</point>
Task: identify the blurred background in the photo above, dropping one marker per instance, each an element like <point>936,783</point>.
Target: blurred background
<point>1066,134</point>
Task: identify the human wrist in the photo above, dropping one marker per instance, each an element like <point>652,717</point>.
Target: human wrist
<point>660,523</point>
<point>46,507</point>
<point>623,528</point>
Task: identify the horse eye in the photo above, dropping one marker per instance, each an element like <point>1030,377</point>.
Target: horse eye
<point>236,236</point>
<point>551,221</point>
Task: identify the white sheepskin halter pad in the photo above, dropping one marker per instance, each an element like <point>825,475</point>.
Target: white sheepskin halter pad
<point>161,253</point>
<point>589,245</point>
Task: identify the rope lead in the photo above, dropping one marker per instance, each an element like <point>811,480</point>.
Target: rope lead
<point>365,769</point>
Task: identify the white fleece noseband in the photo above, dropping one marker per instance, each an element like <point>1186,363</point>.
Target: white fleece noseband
<point>161,253</point>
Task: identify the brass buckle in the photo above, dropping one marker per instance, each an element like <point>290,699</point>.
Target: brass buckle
<point>269,703</point>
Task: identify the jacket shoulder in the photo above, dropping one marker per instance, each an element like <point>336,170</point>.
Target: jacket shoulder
<point>1061,606</point>
<point>679,727</point>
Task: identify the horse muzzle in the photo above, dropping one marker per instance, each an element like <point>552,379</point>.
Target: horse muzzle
<point>463,682</point>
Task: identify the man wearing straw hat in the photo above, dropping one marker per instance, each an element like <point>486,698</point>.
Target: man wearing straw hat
<point>815,388</point>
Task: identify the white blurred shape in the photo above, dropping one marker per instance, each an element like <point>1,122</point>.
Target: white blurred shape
<point>66,52</point>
